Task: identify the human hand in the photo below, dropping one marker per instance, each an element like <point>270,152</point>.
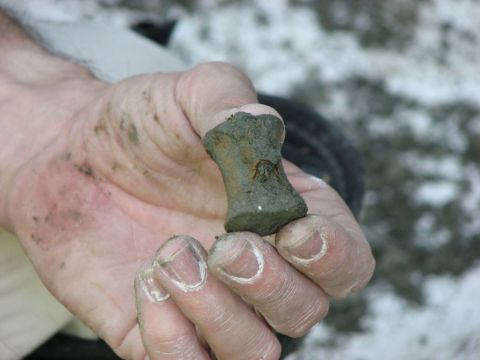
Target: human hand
<point>104,174</point>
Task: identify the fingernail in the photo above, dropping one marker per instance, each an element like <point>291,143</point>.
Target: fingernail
<point>146,287</point>
<point>182,259</point>
<point>237,257</point>
<point>308,248</point>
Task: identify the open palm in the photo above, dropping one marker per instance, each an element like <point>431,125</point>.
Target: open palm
<point>122,170</point>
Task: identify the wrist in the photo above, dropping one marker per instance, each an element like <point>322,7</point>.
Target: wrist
<point>26,63</point>
<point>37,68</point>
<point>23,61</point>
<point>38,92</point>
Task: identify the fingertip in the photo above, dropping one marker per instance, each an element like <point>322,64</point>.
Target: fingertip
<point>165,331</point>
<point>181,264</point>
<point>304,240</point>
<point>146,287</point>
<point>228,246</point>
<point>237,257</point>
<point>224,319</point>
<point>327,253</point>
<point>211,92</point>
<point>254,109</point>
<point>287,300</point>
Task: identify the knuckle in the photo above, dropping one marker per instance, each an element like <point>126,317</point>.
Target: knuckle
<point>182,347</point>
<point>300,325</point>
<point>274,292</point>
<point>317,314</point>
<point>272,350</point>
<point>264,342</point>
<point>220,322</point>
<point>346,271</point>
<point>281,292</point>
<point>364,276</point>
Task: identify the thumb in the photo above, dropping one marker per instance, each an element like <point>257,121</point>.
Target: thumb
<point>211,92</point>
<point>150,116</point>
<point>144,133</point>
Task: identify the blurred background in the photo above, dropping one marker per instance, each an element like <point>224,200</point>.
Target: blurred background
<point>402,80</point>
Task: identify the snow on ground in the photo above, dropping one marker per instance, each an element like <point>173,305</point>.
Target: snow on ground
<point>278,55</point>
<point>446,328</point>
<point>424,91</point>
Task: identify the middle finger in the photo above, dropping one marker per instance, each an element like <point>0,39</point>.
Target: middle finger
<point>230,327</point>
<point>289,301</point>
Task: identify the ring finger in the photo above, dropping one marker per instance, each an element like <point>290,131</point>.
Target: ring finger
<point>230,327</point>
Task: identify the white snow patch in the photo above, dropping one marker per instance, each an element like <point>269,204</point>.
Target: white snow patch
<point>429,234</point>
<point>419,122</point>
<point>445,328</point>
<point>474,125</point>
<point>436,193</point>
<point>382,126</point>
<point>461,14</point>
<point>447,167</point>
<point>471,200</point>
<point>72,10</point>
<point>278,54</point>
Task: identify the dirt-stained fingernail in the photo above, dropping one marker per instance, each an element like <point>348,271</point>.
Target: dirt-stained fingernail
<point>236,257</point>
<point>183,260</point>
<point>146,287</point>
<point>304,241</point>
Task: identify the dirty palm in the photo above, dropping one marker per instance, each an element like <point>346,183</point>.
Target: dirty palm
<point>122,168</point>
